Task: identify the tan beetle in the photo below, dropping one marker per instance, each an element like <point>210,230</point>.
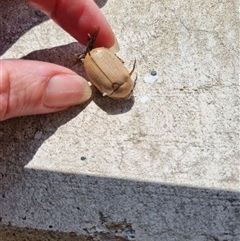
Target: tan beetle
<point>106,71</point>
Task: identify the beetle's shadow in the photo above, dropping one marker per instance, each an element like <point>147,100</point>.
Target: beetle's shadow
<point>112,106</point>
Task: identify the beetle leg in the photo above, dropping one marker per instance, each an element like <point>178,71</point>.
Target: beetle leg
<point>90,45</point>
<point>91,41</point>
<point>134,65</point>
<point>120,59</point>
<point>80,56</point>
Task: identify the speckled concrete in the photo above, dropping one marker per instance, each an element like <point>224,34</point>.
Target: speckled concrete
<point>163,165</point>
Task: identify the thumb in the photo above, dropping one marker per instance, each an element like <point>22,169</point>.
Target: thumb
<point>33,87</point>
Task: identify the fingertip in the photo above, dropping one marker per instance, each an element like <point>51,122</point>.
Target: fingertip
<point>115,48</point>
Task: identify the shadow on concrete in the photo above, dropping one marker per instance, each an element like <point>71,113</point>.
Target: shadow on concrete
<point>112,106</point>
<point>17,17</point>
<point>19,143</point>
<point>97,208</point>
<point>100,3</point>
<point>10,233</point>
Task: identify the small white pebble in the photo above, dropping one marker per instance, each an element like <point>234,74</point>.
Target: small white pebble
<point>144,99</point>
<point>150,79</point>
<point>38,135</point>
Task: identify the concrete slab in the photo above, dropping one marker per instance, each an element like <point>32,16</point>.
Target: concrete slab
<point>163,165</point>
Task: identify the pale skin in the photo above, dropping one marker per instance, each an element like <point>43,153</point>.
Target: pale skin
<point>33,87</point>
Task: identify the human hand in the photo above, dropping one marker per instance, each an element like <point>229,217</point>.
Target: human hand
<point>32,87</point>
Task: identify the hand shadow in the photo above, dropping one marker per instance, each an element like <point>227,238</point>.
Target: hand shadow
<point>17,17</point>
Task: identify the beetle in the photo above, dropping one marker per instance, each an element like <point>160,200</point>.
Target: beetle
<point>106,71</point>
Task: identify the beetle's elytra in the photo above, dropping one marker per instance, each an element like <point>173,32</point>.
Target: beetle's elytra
<point>106,71</point>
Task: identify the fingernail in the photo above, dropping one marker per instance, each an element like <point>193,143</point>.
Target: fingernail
<point>115,48</point>
<point>65,90</point>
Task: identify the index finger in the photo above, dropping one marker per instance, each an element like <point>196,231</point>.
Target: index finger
<point>79,18</point>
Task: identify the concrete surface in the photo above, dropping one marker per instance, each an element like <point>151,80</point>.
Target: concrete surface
<point>161,166</point>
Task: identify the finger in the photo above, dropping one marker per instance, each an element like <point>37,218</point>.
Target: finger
<point>33,87</point>
<point>79,18</point>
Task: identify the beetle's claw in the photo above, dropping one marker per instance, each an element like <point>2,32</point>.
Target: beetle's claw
<point>80,56</point>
